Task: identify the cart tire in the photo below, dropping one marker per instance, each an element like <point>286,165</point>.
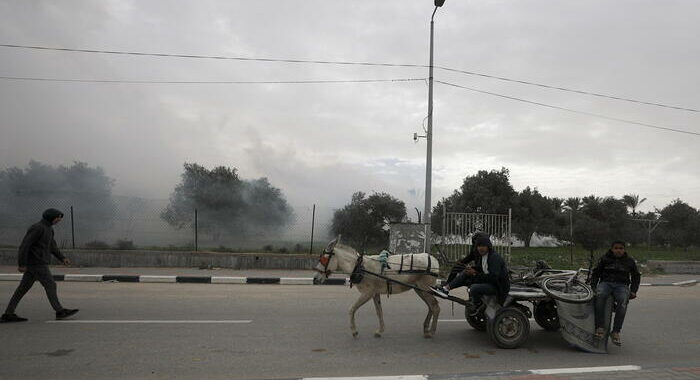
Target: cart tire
<point>576,292</point>
<point>510,328</point>
<point>477,322</point>
<point>546,315</point>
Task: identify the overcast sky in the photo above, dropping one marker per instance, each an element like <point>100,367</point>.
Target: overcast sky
<point>321,142</point>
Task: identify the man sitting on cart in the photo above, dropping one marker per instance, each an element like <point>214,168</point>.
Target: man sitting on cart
<point>489,276</point>
<point>616,274</point>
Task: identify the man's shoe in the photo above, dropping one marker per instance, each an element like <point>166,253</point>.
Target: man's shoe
<point>475,309</point>
<point>7,318</point>
<point>66,313</point>
<point>599,333</point>
<point>616,338</point>
<point>441,291</point>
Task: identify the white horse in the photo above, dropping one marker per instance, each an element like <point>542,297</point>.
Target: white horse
<point>340,258</point>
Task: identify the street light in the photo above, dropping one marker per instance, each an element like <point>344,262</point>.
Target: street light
<point>429,133</point>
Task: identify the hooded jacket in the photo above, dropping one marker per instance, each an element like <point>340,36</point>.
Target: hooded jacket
<point>622,270</point>
<point>498,271</point>
<point>38,244</point>
<point>473,256</point>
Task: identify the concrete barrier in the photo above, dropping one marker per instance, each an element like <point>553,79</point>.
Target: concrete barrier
<point>176,259</point>
<point>675,267</point>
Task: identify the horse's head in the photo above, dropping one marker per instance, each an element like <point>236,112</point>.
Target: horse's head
<point>327,262</point>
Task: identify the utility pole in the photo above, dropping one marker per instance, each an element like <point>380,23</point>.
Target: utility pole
<point>652,224</point>
<point>429,132</point>
<point>313,222</point>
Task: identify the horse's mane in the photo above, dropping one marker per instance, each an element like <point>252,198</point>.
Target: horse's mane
<point>343,247</point>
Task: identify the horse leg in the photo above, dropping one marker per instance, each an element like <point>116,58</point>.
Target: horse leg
<point>426,323</point>
<point>364,297</point>
<point>380,315</point>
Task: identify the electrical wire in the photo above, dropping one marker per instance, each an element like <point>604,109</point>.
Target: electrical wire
<point>286,60</point>
<point>647,125</point>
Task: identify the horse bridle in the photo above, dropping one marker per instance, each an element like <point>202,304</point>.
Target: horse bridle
<point>325,261</point>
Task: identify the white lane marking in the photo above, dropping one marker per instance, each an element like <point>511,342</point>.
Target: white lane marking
<point>453,320</point>
<point>644,284</point>
<point>401,377</point>
<point>150,321</point>
<point>557,371</point>
<point>685,283</point>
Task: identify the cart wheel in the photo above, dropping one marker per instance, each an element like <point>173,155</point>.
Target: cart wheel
<point>566,290</point>
<point>510,328</point>
<point>546,315</point>
<point>477,322</point>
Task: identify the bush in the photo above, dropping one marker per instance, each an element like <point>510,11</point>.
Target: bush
<point>124,244</point>
<point>283,250</point>
<point>268,248</point>
<point>96,244</point>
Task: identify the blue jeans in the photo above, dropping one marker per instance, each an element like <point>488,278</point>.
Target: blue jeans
<point>621,294</point>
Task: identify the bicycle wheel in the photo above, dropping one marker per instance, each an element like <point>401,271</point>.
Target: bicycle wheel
<point>567,290</point>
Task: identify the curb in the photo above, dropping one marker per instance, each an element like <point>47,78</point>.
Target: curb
<point>183,279</point>
<point>225,280</point>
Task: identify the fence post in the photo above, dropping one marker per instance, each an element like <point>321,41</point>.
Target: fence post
<point>313,222</point>
<point>510,234</point>
<point>571,235</point>
<point>196,231</point>
<point>72,227</point>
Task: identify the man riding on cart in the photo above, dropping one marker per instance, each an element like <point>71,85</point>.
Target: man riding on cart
<point>489,276</point>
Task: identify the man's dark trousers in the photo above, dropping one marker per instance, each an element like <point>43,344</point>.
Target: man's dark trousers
<point>34,273</point>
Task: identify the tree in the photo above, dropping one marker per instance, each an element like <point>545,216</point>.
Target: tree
<point>632,201</point>
<point>364,221</point>
<point>573,203</point>
<point>683,224</point>
<point>226,203</point>
<point>590,233</point>
<point>485,192</point>
<point>26,192</point>
<point>532,213</point>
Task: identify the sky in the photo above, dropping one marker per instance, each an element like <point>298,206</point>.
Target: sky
<point>320,143</point>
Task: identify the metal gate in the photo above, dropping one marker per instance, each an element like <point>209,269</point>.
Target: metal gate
<point>458,228</point>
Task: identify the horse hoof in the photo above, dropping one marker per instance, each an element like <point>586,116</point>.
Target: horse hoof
<point>427,335</point>
<point>355,334</point>
<point>377,335</point>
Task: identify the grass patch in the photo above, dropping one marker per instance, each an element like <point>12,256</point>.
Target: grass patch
<point>560,257</point>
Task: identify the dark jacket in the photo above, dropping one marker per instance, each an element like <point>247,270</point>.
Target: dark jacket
<point>38,244</point>
<point>622,270</point>
<point>473,256</point>
<point>498,274</point>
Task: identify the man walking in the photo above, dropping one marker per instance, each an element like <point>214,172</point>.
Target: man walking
<point>34,258</point>
<point>615,275</point>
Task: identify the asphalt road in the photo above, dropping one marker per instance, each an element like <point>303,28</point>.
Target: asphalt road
<point>281,331</point>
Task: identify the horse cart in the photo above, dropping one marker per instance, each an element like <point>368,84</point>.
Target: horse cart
<point>561,300</point>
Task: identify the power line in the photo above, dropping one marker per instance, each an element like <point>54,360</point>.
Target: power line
<point>209,82</point>
<point>571,90</point>
<point>529,83</point>
<point>570,110</point>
